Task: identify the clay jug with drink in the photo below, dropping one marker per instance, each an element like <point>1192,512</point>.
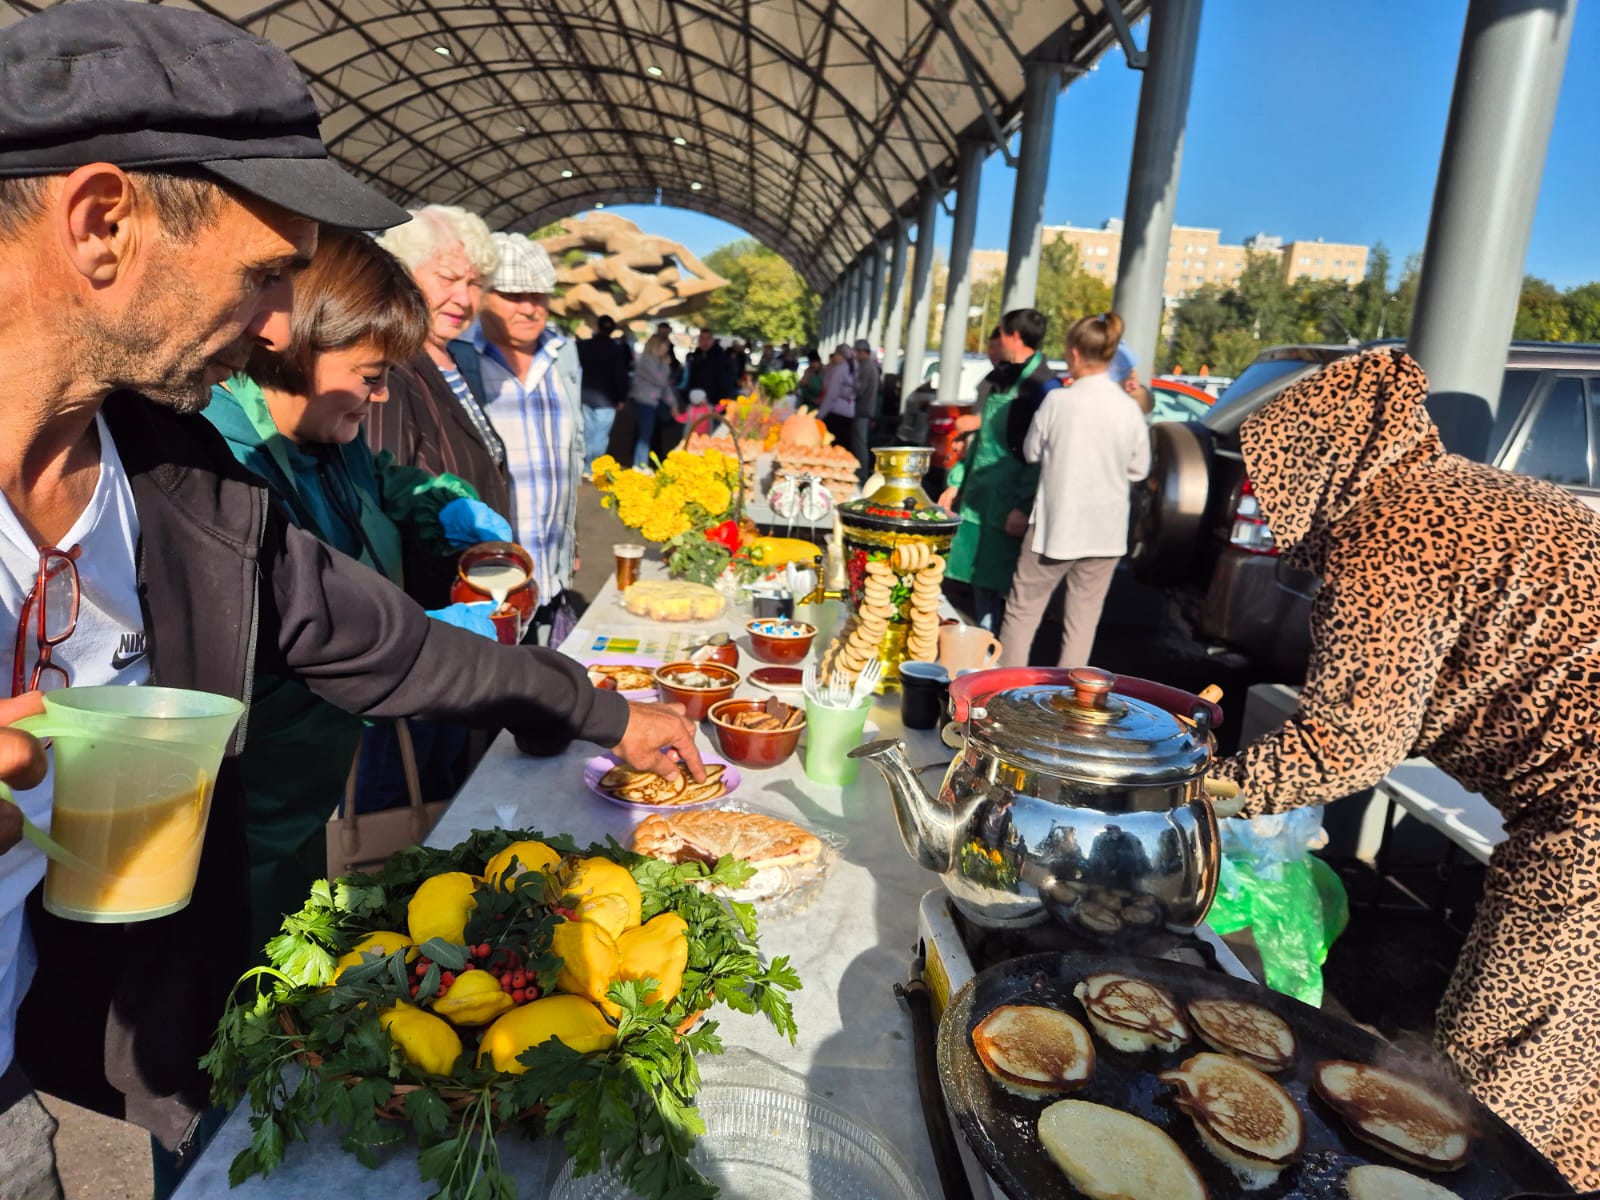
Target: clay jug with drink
<point>501,572</point>
<point>135,768</point>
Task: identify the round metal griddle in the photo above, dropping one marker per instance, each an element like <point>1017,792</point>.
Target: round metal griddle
<point>1002,1128</point>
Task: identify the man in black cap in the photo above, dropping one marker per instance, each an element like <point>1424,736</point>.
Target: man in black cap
<point>161,179</point>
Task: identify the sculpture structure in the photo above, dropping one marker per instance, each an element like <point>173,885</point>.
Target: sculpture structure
<point>629,275</point>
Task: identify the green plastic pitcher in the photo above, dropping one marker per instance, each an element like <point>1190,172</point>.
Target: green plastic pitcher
<point>134,771</point>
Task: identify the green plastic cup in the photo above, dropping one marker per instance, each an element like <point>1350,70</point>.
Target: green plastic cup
<point>134,771</point>
<point>831,733</point>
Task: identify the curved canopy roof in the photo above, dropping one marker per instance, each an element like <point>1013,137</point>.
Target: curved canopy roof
<point>811,123</point>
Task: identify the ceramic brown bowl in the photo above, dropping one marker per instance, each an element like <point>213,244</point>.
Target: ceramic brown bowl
<point>696,701</point>
<point>753,747</point>
<point>778,641</point>
<point>725,652</point>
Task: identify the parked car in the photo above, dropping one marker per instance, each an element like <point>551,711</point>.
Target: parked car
<point>1176,400</point>
<point>1198,533</point>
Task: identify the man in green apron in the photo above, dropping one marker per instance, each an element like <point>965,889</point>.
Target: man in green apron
<point>995,484</point>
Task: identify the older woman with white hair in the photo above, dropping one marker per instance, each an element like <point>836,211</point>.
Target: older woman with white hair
<point>434,418</point>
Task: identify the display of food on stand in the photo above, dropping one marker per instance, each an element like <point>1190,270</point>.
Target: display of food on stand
<point>511,981</point>
<point>1190,1121</point>
<point>894,546</point>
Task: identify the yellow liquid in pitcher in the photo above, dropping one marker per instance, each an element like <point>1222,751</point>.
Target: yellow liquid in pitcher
<point>144,857</point>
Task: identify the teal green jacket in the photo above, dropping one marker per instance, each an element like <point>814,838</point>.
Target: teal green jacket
<point>993,483</point>
<point>299,748</point>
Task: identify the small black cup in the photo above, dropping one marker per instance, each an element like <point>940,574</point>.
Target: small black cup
<point>774,605</point>
<point>923,687</point>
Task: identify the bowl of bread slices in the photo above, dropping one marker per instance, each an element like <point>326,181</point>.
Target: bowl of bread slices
<point>757,733</point>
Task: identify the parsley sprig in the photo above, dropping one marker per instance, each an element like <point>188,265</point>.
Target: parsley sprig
<point>308,1052</point>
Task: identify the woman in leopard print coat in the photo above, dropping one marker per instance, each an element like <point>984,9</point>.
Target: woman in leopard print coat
<point>1459,620</point>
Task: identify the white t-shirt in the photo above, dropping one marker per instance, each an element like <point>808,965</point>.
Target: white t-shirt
<point>108,646</point>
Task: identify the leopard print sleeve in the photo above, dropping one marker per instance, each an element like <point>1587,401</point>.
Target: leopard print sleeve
<point>1375,659</point>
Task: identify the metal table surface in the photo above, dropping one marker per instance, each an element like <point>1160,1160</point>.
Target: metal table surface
<point>850,946</point>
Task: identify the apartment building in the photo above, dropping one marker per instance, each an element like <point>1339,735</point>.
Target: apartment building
<point>1195,256</point>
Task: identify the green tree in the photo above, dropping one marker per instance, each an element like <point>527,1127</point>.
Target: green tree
<point>1583,312</point>
<point>1542,313</point>
<point>1066,292</point>
<point>765,300</point>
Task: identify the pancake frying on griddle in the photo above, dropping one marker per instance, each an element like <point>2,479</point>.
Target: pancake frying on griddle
<point>1132,1014</point>
<point>1034,1051</point>
<point>1259,1036</point>
<point>1398,1115</point>
<point>1244,1117</point>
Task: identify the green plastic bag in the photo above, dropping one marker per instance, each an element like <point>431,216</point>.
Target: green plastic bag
<point>1294,906</point>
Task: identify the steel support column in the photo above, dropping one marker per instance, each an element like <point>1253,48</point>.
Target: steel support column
<point>1040,92</point>
<point>895,303</point>
<point>1513,55</point>
<point>921,292</point>
<point>958,291</point>
<point>824,311</point>
<point>858,327</point>
<point>850,298</point>
<point>1153,178</point>
<point>864,318</point>
<point>879,268</point>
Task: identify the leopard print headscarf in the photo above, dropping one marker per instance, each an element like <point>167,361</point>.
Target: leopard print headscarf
<point>1312,452</point>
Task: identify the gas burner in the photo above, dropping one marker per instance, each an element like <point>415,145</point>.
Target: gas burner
<point>985,947</point>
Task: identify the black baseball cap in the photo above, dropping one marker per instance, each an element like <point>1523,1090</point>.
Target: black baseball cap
<point>146,85</point>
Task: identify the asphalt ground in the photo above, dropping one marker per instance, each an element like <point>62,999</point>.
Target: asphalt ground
<point>1387,970</point>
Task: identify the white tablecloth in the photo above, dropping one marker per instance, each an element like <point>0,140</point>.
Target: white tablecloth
<point>850,946</point>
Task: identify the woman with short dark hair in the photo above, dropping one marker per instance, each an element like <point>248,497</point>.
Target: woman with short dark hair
<point>295,419</point>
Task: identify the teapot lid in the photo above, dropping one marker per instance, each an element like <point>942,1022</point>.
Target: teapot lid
<point>1085,731</point>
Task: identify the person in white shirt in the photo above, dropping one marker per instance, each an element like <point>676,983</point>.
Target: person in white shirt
<point>1090,442</point>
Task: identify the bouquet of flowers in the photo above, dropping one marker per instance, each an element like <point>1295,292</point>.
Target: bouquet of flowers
<point>690,504</point>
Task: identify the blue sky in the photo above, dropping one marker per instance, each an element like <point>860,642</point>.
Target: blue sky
<point>1307,120</point>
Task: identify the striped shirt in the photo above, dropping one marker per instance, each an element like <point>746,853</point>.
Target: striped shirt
<point>537,431</point>
<point>470,406</point>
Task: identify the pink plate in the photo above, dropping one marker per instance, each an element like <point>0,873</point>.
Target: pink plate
<point>601,763</point>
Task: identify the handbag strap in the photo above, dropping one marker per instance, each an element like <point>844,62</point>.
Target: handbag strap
<point>349,824</point>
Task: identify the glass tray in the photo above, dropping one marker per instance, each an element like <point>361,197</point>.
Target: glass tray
<point>769,1138</point>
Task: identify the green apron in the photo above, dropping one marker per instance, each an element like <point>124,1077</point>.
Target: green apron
<point>983,554</point>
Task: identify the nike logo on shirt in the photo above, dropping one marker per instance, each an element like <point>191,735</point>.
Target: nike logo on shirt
<point>130,650</point>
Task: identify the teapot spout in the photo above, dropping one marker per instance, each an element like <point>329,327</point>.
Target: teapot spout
<point>928,831</point>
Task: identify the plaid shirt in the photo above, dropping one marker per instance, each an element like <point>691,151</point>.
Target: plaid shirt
<point>534,422</point>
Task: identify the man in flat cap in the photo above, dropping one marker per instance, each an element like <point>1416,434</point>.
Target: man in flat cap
<point>533,386</point>
<point>161,179</point>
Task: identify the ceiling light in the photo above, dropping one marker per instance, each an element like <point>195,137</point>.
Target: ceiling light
<point>599,203</point>
<point>520,128</point>
<point>695,186</point>
<point>567,174</point>
<point>680,141</point>
<point>442,50</point>
<point>653,71</point>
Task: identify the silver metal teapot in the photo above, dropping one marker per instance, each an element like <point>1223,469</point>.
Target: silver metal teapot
<point>1076,794</point>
